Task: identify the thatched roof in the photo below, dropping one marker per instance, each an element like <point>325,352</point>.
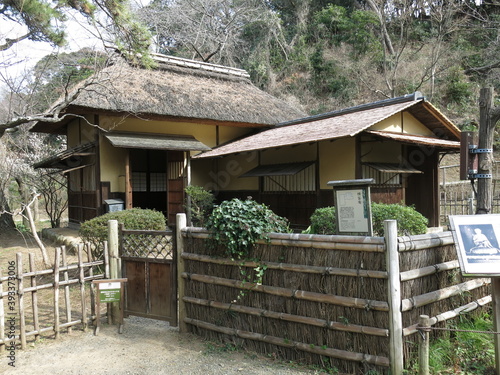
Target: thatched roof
<point>348,123</point>
<point>182,90</point>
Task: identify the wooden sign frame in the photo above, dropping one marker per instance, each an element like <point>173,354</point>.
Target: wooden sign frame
<point>477,239</point>
<point>109,298</point>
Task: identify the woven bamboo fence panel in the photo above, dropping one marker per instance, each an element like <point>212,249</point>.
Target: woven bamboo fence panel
<point>323,299</point>
<point>35,303</point>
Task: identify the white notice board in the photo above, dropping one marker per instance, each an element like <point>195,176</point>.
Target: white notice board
<point>477,242</point>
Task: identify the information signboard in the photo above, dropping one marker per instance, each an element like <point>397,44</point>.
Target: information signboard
<point>353,206</point>
<point>109,292</point>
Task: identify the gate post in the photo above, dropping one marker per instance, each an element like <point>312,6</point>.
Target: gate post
<point>181,224</point>
<point>114,266</point>
<point>394,296</point>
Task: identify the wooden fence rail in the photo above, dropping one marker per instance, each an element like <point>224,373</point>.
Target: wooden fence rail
<point>23,313</point>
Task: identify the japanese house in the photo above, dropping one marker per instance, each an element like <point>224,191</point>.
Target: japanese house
<point>397,142</point>
<point>131,132</point>
<point>142,135</point>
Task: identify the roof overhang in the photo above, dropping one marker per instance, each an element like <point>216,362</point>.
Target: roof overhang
<point>392,168</point>
<point>286,169</point>
<point>416,139</point>
<point>70,159</point>
<point>156,141</point>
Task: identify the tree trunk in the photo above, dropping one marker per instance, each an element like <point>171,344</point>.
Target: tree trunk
<point>43,250</point>
<point>6,220</point>
<point>487,121</point>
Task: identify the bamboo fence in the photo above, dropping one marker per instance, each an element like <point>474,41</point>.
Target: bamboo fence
<point>34,302</point>
<point>336,301</point>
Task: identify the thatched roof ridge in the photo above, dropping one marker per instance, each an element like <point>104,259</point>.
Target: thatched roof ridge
<point>183,90</point>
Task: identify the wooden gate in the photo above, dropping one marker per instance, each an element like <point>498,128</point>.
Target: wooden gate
<point>149,264</point>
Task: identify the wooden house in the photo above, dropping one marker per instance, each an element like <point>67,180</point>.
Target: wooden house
<point>397,142</point>
<point>131,132</point>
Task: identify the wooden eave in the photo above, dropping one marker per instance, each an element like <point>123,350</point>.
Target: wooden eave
<point>429,115</point>
<point>60,127</point>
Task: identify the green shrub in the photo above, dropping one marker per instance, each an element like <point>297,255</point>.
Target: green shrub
<point>202,204</point>
<point>410,221</point>
<point>323,221</point>
<point>237,225</point>
<point>95,231</point>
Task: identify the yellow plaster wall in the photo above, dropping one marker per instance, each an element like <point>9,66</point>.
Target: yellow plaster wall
<point>337,161</point>
<point>112,165</point>
<point>223,174</point>
<point>381,152</point>
<point>289,154</point>
<point>402,123</point>
<point>80,131</point>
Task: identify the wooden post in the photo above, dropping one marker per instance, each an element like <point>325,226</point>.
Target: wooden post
<point>2,316</point>
<point>495,293</point>
<point>34,297</point>
<point>81,277</point>
<point>423,352</point>
<point>488,117</point>
<point>20,292</point>
<point>114,267</point>
<point>67,298</point>
<point>56,292</point>
<point>394,294</point>
<point>180,225</point>
<point>91,274</point>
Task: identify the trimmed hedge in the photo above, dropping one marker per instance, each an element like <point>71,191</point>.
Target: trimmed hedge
<point>96,230</point>
<point>410,221</point>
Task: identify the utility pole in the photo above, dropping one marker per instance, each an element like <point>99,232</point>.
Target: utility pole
<point>488,117</point>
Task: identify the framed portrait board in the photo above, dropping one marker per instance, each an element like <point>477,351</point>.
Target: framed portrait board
<point>477,240</point>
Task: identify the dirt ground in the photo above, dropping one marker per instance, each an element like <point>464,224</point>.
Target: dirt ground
<point>145,347</point>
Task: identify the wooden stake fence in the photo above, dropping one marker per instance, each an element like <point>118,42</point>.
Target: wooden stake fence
<point>20,298</point>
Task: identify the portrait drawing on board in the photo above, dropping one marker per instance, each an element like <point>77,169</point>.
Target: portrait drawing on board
<point>479,241</point>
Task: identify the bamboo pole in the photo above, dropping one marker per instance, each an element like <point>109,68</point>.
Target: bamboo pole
<point>2,316</point>
<point>307,347</point>
<point>394,294</point>
<point>423,352</point>
<point>334,326</point>
<point>450,314</point>
<point>67,298</point>
<point>56,292</point>
<point>106,260</point>
<point>81,274</point>
<point>441,294</point>
<point>91,275</point>
<point>34,296</point>
<point>181,291</point>
<point>288,267</point>
<point>317,241</point>
<point>360,303</point>
<point>429,270</point>
<point>114,269</point>
<point>20,293</point>
<point>425,241</point>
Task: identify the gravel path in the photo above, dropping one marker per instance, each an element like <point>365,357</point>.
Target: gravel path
<point>145,347</point>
